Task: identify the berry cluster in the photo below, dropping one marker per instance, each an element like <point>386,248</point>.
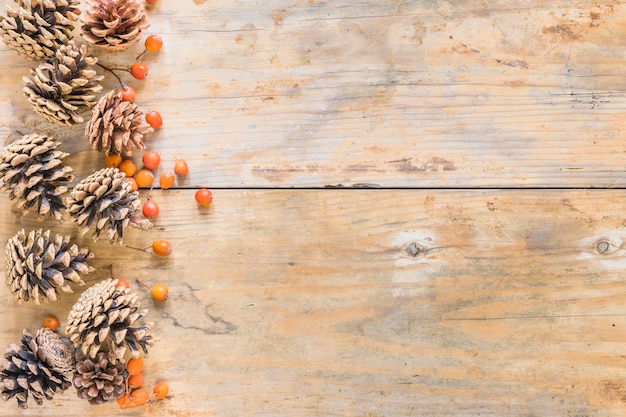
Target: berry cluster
<point>135,395</point>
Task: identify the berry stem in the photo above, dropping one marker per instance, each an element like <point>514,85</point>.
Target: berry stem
<point>139,249</point>
<point>140,55</point>
<point>112,71</point>
<point>112,274</point>
<point>143,284</point>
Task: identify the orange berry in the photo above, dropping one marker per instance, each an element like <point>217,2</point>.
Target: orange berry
<point>204,197</point>
<point>166,180</point>
<point>139,70</point>
<point>51,323</point>
<point>135,381</point>
<point>133,183</point>
<point>181,168</point>
<point>113,161</point>
<point>128,167</point>
<point>153,43</point>
<point>125,402</point>
<point>128,94</point>
<point>135,365</point>
<point>151,159</point>
<point>140,396</point>
<point>154,119</point>
<point>159,292</point>
<point>162,247</point>
<point>160,390</point>
<point>144,178</point>
<point>150,209</point>
<point>121,282</point>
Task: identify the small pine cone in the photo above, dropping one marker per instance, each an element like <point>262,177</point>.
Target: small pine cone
<point>107,199</point>
<point>61,86</point>
<point>38,266</point>
<point>100,379</point>
<point>37,28</point>
<point>41,366</point>
<point>101,320</point>
<point>117,126</point>
<point>114,24</point>
<point>31,168</point>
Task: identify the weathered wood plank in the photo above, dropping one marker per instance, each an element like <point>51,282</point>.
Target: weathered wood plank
<point>428,93</point>
<point>374,303</point>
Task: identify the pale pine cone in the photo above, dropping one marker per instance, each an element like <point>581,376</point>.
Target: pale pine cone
<point>114,24</point>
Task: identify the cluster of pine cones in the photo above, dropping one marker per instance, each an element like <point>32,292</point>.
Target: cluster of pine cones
<point>103,326</point>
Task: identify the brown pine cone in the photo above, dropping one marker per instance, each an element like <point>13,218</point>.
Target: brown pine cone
<point>41,366</point>
<point>100,379</point>
<point>61,86</point>
<point>37,28</point>
<point>114,24</point>
<point>117,126</point>
<point>101,320</point>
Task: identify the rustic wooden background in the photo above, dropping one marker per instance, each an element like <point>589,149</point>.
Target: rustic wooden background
<point>419,209</point>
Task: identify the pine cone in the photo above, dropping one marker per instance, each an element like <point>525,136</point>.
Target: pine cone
<point>40,366</point>
<point>107,198</point>
<point>117,126</point>
<point>61,86</point>
<point>114,24</point>
<point>101,320</point>
<point>37,28</point>
<point>31,168</point>
<point>100,379</point>
<point>38,267</point>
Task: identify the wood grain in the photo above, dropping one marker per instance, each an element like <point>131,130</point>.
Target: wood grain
<point>394,94</point>
<point>374,303</point>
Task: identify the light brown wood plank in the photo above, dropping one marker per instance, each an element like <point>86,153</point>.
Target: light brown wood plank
<point>429,93</point>
<point>311,303</point>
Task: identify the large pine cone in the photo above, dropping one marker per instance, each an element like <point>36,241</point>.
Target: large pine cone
<point>117,126</point>
<point>107,199</point>
<point>41,366</point>
<point>37,28</point>
<point>114,24</point>
<point>101,320</point>
<point>61,86</point>
<point>38,266</point>
<point>31,168</point>
<point>100,379</point>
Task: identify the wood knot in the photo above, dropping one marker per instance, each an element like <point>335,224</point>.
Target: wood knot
<point>414,249</point>
<point>602,246</point>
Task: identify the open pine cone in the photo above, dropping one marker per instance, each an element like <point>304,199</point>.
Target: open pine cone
<point>114,24</point>
<point>36,28</point>
<point>117,126</point>
<point>31,168</point>
<point>38,267</point>
<point>101,320</point>
<point>107,199</point>
<point>41,366</point>
<point>100,379</point>
<point>61,86</point>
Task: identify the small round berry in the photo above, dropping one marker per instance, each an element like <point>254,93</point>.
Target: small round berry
<point>166,180</point>
<point>133,184</point>
<point>140,396</point>
<point>162,247</point>
<point>153,43</point>
<point>121,282</point>
<point>150,1</point>
<point>128,93</point>
<point>128,167</point>
<point>159,292</point>
<point>151,159</point>
<point>181,168</point>
<point>150,209</point>
<point>51,323</point>
<point>160,390</point>
<point>139,70</point>
<point>204,197</point>
<point>135,381</point>
<point>154,119</point>
<point>134,366</point>
<point>113,161</point>
<point>144,178</point>
<point>125,402</point>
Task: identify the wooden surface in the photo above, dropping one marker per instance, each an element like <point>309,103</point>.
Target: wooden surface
<point>483,273</point>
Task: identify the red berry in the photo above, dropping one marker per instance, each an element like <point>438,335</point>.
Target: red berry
<point>139,70</point>
<point>162,247</point>
<point>151,159</point>
<point>51,323</point>
<point>153,43</point>
<point>181,168</point>
<point>128,94</point>
<point>154,119</point>
<point>150,209</point>
<point>121,282</point>
<point>204,197</point>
